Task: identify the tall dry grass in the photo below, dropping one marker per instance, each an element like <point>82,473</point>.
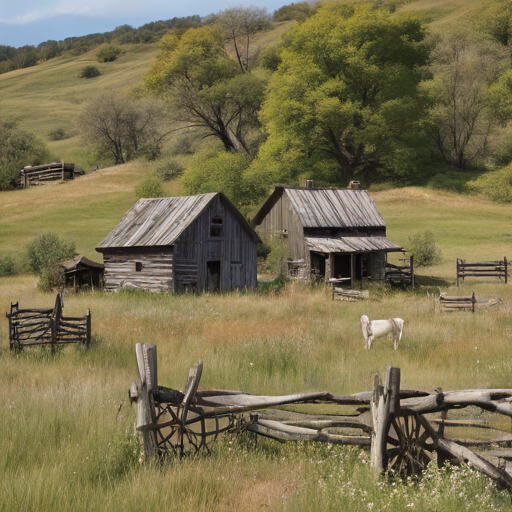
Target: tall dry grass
<point>67,427</point>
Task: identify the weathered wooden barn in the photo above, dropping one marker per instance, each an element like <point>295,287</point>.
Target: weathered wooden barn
<point>331,233</point>
<point>82,272</point>
<point>181,243</point>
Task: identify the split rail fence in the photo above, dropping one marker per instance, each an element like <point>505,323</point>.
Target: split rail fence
<point>498,269</point>
<point>398,425</point>
<point>39,326</point>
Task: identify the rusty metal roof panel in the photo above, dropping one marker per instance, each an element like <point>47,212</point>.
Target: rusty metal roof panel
<point>156,222</point>
<point>334,208</point>
<point>351,244</point>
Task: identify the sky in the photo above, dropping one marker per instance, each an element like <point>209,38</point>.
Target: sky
<point>32,22</point>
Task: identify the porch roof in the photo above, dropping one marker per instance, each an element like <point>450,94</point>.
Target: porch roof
<point>352,244</point>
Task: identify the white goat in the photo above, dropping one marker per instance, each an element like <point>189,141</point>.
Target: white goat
<point>379,328</point>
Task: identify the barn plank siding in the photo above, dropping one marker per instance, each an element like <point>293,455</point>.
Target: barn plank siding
<point>320,223</point>
<point>175,240</point>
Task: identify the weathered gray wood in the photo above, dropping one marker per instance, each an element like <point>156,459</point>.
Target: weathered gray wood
<point>281,431</point>
<point>384,398</point>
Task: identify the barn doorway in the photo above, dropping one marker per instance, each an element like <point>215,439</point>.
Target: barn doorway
<point>213,276</point>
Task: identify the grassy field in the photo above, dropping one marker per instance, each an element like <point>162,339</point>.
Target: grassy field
<point>69,440</point>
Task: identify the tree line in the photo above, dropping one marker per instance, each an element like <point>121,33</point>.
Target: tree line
<point>351,91</point>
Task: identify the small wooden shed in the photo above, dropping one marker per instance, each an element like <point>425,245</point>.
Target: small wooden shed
<point>191,243</point>
<point>82,271</point>
<point>331,233</point>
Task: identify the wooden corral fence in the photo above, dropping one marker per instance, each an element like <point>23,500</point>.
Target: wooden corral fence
<point>396,424</point>
<point>340,293</point>
<point>401,274</point>
<point>452,303</point>
<point>498,269</point>
<point>469,303</point>
<point>39,174</point>
<point>39,326</point>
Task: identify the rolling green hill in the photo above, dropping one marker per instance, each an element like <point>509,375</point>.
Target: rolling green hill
<point>50,95</point>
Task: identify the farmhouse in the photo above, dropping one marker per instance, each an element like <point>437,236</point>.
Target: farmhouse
<point>181,243</point>
<point>330,233</point>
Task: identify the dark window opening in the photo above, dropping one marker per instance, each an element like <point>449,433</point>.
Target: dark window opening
<point>138,266</point>
<point>216,227</point>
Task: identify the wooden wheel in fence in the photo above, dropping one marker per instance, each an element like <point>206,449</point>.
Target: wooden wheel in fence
<point>197,434</point>
<point>410,444</point>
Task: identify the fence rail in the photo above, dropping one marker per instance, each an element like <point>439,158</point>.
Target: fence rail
<point>396,424</point>
<point>498,269</point>
<point>401,274</point>
<point>36,326</point>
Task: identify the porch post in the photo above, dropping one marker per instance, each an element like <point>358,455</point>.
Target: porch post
<point>352,269</point>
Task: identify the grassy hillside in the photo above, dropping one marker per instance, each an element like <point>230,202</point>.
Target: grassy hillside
<point>51,95</point>
<point>442,15</point>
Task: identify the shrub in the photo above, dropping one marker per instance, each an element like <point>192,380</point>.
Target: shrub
<point>277,258</point>
<point>150,187</point>
<point>51,278</point>
<point>424,249</point>
<point>47,249</point>
<point>169,170</point>
<point>263,250</point>
<point>18,148</point>
<point>8,266</point>
<point>108,53</point>
<point>57,134</point>
<point>497,185</point>
<point>89,72</point>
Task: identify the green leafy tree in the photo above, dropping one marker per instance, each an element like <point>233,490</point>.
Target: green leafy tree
<point>495,20</point>
<point>149,187</point>
<point>207,89</point>
<point>47,249</point>
<point>423,247</point>
<point>214,170</point>
<point>299,11</point>
<point>344,100</point>
<point>18,148</point>
<point>90,71</point>
<point>108,53</point>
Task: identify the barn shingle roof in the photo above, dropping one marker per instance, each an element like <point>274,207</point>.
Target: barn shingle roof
<point>160,221</point>
<point>327,207</point>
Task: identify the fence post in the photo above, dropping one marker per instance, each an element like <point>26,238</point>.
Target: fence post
<point>385,401</point>
<point>506,269</point>
<point>457,272</point>
<point>412,271</point>
<point>8,315</point>
<point>473,300</point>
<point>88,327</point>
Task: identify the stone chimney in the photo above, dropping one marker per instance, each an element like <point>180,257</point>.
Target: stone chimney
<point>354,185</point>
<point>309,184</point>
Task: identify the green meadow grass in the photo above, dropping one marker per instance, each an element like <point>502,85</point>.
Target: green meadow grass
<point>69,442</point>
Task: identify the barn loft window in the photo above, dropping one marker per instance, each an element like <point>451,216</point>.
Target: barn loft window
<point>138,266</point>
<point>216,227</point>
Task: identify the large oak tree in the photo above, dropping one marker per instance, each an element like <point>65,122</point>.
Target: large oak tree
<point>344,103</point>
<point>207,89</point>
